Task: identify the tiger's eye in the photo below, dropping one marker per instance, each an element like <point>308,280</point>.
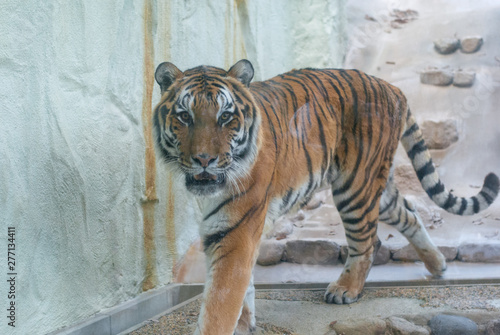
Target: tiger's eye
<point>185,117</point>
<point>225,116</point>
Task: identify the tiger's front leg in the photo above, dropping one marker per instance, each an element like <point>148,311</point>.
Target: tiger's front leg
<point>247,323</point>
<point>360,224</point>
<point>228,306</point>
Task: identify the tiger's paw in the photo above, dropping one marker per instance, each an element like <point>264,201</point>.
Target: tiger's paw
<point>246,323</point>
<point>247,331</point>
<point>338,294</point>
<point>434,262</point>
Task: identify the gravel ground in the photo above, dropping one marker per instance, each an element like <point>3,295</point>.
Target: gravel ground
<point>462,298</point>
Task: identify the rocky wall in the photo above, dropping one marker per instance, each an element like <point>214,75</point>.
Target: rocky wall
<point>96,219</point>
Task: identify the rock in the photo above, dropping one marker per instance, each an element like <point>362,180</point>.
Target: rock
<point>312,252</point>
<point>362,326</point>
<point>449,252</point>
<point>472,252</point>
<point>400,326</point>
<point>409,254</point>
<point>464,78</point>
<point>439,134</point>
<point>436,77</point>
<point>406,179</point>
<point>383,255</point>
<point>446,45</point>
<point>471,44</point>
<point>270,252</point>
<point>493,327</point>
<point>405,254</point>
<point>282,227</point>
<point>443,324</point>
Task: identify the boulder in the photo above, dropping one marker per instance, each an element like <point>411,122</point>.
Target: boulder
<point>493,327</point>
<point>361,326</point>
<point>400,326</point>
<point>443,324</point>
<point>436,77</point>
<point>270,252</point>
<point>446,45</point>
<point>312,252</point>
<point>464,78</point>
<point>471,44</point>
<point>439,134</point>
<point>483,252</point>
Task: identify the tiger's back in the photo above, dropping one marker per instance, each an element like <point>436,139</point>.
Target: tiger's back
<point>253,151</point>
<point>326,126</point>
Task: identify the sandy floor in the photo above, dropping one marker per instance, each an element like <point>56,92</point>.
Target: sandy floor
<point>480,303</point>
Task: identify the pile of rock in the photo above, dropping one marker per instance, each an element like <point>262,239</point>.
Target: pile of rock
<point>442,324</point>
<point>446,77</point>
<point>325,252</point>
<point>449,45</point>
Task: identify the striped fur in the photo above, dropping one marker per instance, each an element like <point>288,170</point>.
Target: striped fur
<point>253,151</point>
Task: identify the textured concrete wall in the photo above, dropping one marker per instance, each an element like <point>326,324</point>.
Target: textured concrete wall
<point>97,220</point>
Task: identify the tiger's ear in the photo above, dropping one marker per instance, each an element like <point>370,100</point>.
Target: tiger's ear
<point>166,73</point>
<point>242,71</point>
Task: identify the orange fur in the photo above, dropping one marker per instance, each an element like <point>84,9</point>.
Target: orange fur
<point>252,152</point>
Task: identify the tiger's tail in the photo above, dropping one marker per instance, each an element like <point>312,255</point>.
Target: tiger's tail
<point>420,157</point>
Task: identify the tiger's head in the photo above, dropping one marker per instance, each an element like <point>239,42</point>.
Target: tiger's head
<point>207,125</point>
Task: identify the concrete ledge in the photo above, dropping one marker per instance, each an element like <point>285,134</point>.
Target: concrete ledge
<point>133,312</point>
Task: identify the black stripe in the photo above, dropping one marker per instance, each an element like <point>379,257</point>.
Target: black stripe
<point>406,224</point>
<point>372,205</point>
<point>486,197</point>
<point>450,202</point>
<point>390,204</point>
<point>436,189</point>
<point>294,200</point>
<point>272,102</point>
<point>476,204</point>
<point>210,240</point>
<point>425,170</point>
<point>416,149</point>
<point>360,253</point>
<point>359,230</point>
<point>357,139</point>
<point>411,130</point>
<point>271,128</point>
<point>393,223</point>
<point>355,239</point>
<point>225,202</point>
<point>286,198</point>
<point>309,165</point>
<point>463,207</point>
<point>249,143</point>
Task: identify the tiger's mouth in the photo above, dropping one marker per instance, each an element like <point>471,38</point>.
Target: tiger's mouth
<point>205,183</point>
<point>205,176</point>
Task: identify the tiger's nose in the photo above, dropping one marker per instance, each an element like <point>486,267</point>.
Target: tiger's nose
<point>204,160</point>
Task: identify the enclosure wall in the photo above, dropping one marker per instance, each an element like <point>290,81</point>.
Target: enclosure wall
<point>97,219</point>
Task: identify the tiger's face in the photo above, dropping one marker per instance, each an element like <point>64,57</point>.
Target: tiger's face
<point>207,125</point>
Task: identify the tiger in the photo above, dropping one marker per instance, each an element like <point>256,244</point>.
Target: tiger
<point>250,152</point>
